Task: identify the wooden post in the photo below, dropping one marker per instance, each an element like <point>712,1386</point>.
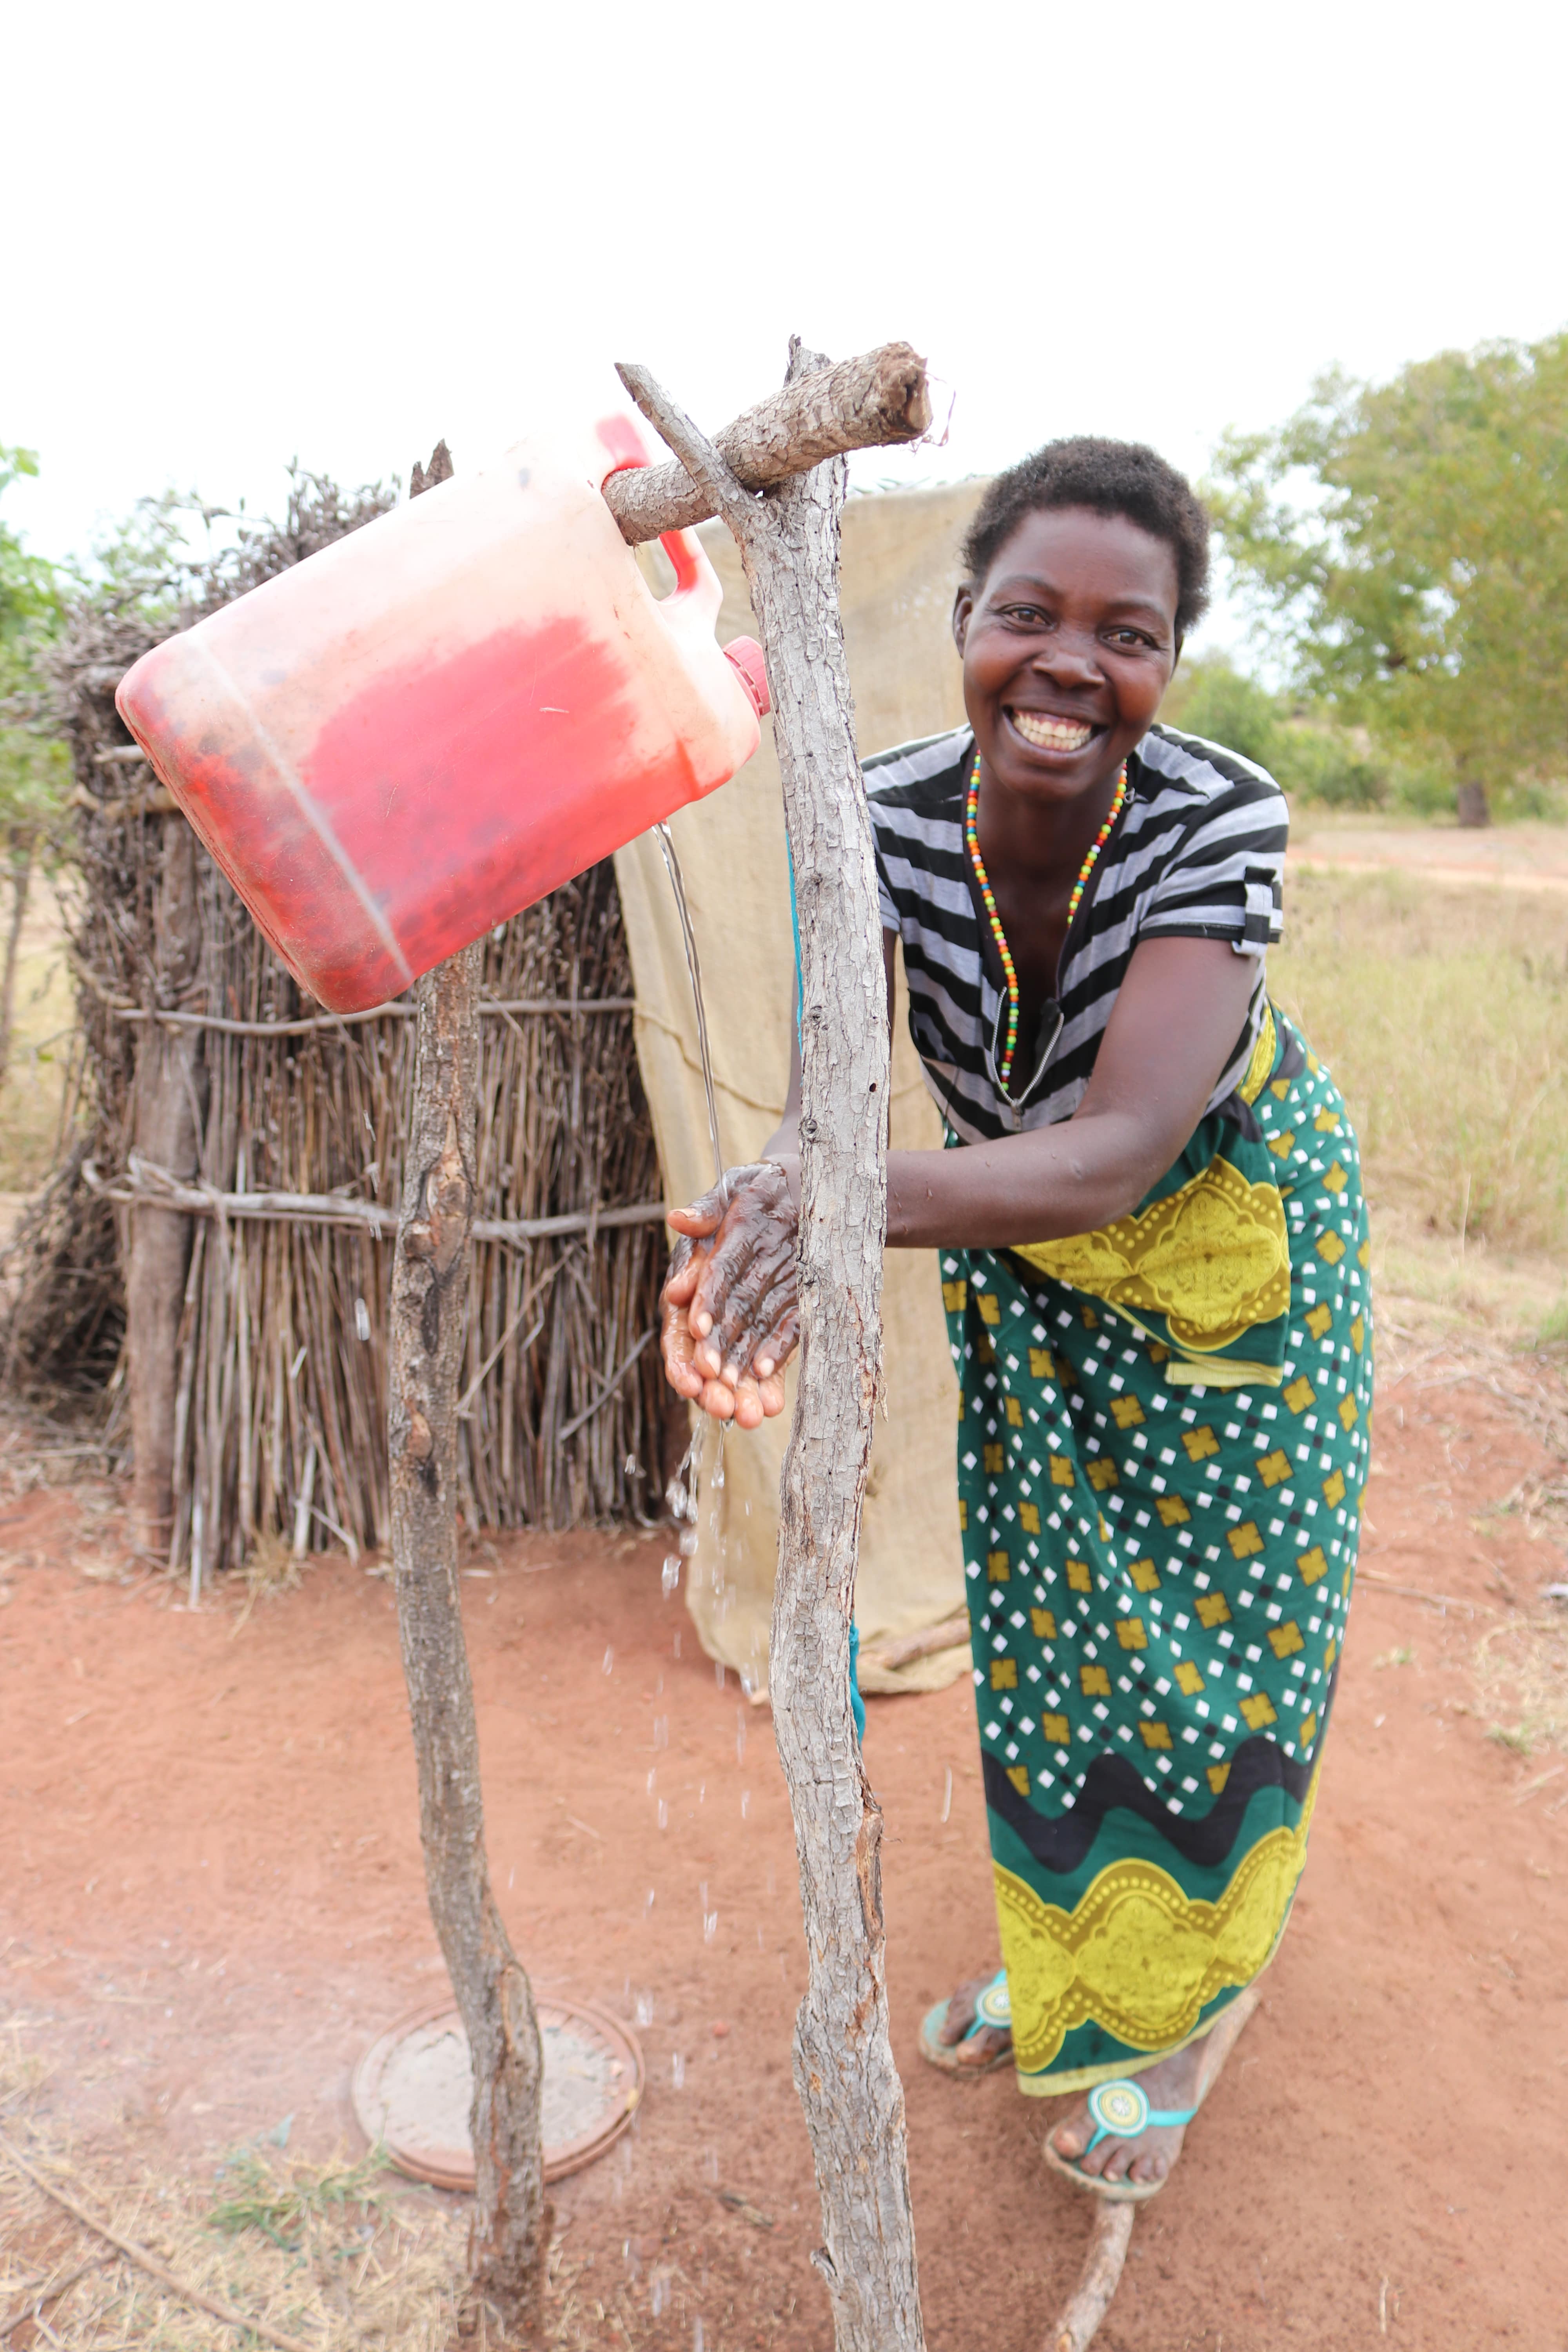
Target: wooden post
<point>170,1106</point>
<point>509,2234</point>
<point>844,2067</point>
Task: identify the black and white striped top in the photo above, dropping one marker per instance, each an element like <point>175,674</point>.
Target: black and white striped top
<point>1199,853</point>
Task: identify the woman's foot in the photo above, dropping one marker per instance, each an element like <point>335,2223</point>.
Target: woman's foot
<point>992,2042</point>
<point>1170,2086</point>
<point>1175,2084</point>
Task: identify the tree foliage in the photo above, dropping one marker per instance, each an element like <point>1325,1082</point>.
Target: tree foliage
<point>32,766</point>
<point>1404,546</point>
<point>1312,757</point>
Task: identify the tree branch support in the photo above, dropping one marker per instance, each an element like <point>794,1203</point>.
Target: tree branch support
<point>509,2233</point>
<point>844,2068</point>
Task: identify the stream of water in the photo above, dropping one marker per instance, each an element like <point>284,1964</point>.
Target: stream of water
<point>693,965</point>
<point>682,1494</point>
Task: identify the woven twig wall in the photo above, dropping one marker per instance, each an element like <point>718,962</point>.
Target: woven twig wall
<point>282,1367</point>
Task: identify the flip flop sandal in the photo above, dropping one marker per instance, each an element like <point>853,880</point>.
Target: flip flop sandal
<point>1121,2110</point>
<point>992,2009</point>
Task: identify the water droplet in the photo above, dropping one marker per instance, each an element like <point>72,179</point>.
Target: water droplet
<point>702,1893</point>
<point>745,1803</point>
<point>678,2071</point>
<point>645,2009</point>
<point>647,1903</point>
<point>670,1575</point>
<point>678,1643</point>
<point>663,1814</point>
<point>631,1468</point>
<point>709,1926</point>
<point>740,1735</point>
<point>651,1778</point>
<point>658,2295</point>
<point>713,2162</point>
<point>687,1543</point>
<point>719,1672</point>
<point>608,1666</point>
<point>661,1731</point>
<point>697,2337</point>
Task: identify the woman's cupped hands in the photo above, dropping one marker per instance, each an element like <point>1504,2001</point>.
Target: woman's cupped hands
<point>730,1303</point>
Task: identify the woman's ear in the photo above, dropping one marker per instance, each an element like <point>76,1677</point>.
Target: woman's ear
<point>962,612</point>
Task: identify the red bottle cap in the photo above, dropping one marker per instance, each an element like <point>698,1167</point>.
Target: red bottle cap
<point>745,656</point>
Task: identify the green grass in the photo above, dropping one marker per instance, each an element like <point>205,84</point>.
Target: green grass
<point>281,2199</point>
<point>1442,1014</point>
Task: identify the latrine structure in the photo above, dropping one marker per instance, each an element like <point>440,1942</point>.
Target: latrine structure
<point>293,1168</point>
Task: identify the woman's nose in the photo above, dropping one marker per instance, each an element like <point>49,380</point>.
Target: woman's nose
<point>1070,660</point>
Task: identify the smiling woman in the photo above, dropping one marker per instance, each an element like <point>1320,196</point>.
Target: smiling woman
<point>1153,1255</point>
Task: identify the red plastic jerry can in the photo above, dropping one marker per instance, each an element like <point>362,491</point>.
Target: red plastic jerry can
<point>427,726</point>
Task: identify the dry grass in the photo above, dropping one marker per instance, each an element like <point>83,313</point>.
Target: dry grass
<point>349,2268</point>
<point>1522,1668</point>
<point>44,1022</point>
<point>1444,1015</point>
<point>336,2256</point>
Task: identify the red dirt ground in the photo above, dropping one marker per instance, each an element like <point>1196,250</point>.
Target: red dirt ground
<point>212,1899</point>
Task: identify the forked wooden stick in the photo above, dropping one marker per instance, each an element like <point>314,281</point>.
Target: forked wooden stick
<point>844,2068</point>
<point>876,401</point>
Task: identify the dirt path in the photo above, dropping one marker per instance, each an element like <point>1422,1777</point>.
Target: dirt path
<point>212,1898</point>
<point>1532,856</point>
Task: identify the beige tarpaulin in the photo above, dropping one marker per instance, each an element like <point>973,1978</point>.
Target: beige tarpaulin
<point>899,568</point>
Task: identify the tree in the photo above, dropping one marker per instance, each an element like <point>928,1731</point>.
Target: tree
<point>1302,749</point>
<point>1422,586</point>
<point>34,769</point>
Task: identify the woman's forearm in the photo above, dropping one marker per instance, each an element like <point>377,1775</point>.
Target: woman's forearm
<point>1068,1179</point>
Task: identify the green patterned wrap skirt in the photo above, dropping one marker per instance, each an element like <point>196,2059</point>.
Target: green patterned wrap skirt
<point>1162,1443</point>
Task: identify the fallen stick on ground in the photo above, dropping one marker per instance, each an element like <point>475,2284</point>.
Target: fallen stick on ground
<point>38,2291</point>
<point>1413,1592</point>
<point>1098,2281</point>
<point>903,1649</point>
<point>1523,1796</point>
<point>149,2262</point>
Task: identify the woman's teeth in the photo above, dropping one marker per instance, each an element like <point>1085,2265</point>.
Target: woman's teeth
<point>1051,734</point>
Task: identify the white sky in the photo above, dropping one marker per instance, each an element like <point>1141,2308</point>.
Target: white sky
<point>239,232</point>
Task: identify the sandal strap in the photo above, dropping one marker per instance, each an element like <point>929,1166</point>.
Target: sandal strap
<point>1169,2116</point>
<point>1121,2110</point>
<point>993,2010</point>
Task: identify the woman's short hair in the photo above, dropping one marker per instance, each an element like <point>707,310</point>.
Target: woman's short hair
<point>1110,477</point>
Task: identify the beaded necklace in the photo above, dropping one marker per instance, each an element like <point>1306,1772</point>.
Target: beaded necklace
<point>972,836</point>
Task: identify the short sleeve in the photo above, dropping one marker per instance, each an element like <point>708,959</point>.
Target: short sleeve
<point>889,913</point>
<point>1225,881</point>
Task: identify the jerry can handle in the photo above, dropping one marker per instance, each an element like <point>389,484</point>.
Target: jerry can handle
<point>692,608</point>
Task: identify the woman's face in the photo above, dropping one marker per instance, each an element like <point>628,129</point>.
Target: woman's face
<point>1068,644</point>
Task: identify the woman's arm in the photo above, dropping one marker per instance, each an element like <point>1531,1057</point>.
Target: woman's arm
<point>1173,1027</point>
